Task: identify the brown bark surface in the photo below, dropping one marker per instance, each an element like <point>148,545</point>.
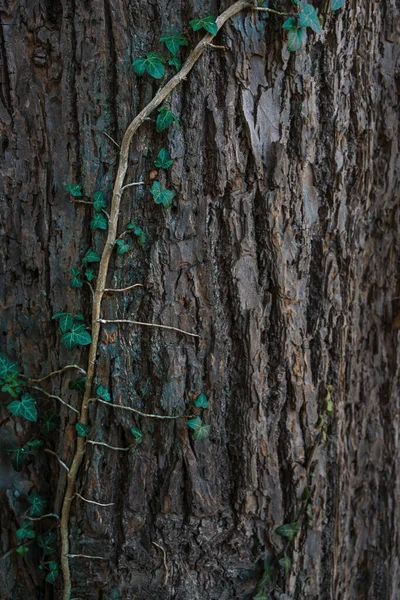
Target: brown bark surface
<point>281,251</point>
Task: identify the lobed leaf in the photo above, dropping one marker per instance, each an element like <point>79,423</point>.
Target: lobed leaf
<point>165,118</point>
<point>201,401</point>
<point>308,17</point>
<point>99,202</point>
<point>163,161</point>
<point>77,336</point>
<point>174,41</point>
<point>81,429</point>
<point>74,189</point>
<point>288,530</point>
<point>161,195</point>
<point>296,39</point>
<point>99,221</point>
<point>49,422</point>
<point>208,23</point>
<point>26,407</point>
<point>90,257</point>
<point>37,505</point>
<point>122,247</point>
<point>138,434</point>
<point>103,393</point>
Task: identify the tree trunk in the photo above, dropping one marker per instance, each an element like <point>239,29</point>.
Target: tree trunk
<point>280,251</point>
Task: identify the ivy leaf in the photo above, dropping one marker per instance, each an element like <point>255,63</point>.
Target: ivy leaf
<point>99,201</point>
<point>76,281</point>
<point>77,336</point>
<point>163,161</point>
<point>7,366</point>
<point>288,530</point>
<point>74,189</point>
<point>81,429</point>
<point>201,401</point>
<point>290,23</point>
<point>66,321</point>
<point>153,64</point>
<point>174,41</point>
<point>37,505</point>
<point>122,247</point>
<point>266,577</point>
<point>49,422</point>
<point>89,274</point>
<point>165,118</point>
<point>286,564</point>
<point>208,23</point>
<point>336,4</point>
<point>161,195</point>
<point>77,384</point>
<point>103,393</point>
<point>309,18</point>
<point>261,595</point>
<point>99,221</point>
<point>17,456</point>
<point>138,434</point>
<point>175,62</point>
<point>45,542</point>
<point>22,550</point>
<point>25,531</point>
<point>90,257</point>
<point>52,575</point>
<point>26,407</point>
<point>200,430</point>
<point>11,384</point>
<point>296,39</point>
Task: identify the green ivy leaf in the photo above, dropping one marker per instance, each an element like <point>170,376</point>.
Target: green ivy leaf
<point>208,23</point>
<point>11,384</point>
<point>296,39</point>
<point>161,195</point>
<point>81,429</point>
<point>103,393</point>
<point>90,257</point>
<point>153,64</point>
<point>138,434</point>
<point>22,550</point>
<point>26,407</point>
<point>66,321</point>
<point>99,221</point>
<point>201,401</point>
<point>7,366</point>
<point>76,281</point>
<point>37,505</point>
<point>74,189</point>
<point>286,564</point>
<point>200,430</point>
<point>266,577</point>
<point>99,202</point>
<point>174,41</point>
<point>175,62</point>
<point>45,542</point>
<point>261,595</point>
<point>49,422</point>
<point>17,456</point>
<point>77,384</point>
<point>288,530</point>
<point>163,161</point>
<point>309,18</point>
<point>90,274</point>
<point>25,531</point>
<point>54,572</point>
<point>336,4</point>
<point>77,336</point>
<point>165,118</point>
<point>122,247</point>
<point>290,23</point>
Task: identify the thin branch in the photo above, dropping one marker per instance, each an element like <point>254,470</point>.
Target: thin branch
<point>93,502</point>
<point>124,187</point>
<point>86,556</point>
<point>110,138</point>
<point>35,387</point>
<point>119,290</point>
<point>270,10</point>
<point>107,445</point>
<point>148,325</point>
<point>91,287</point>
<point>54,516</point>
<point>217,48</point>
<point>138,412</point>
<point>57,372</point>
<point>58,458</point>
<point>75,201</point>
<point>165,562</point>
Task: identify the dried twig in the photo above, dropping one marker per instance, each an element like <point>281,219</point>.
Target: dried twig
<point>48,516</point>
<point>120,290</point>
<point>149,325</point>
<point>57,372</point>
<point>134,183</point>
<point>110,138</point>
<point>94,502</point>
<point>94,443</point>
<point>87,556</point>
<point>166,576</point>
<point>35,387</point>
<point>138,412</point>
<point>58,458</point>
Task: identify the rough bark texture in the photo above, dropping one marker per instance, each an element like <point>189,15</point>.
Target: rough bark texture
<point>281,251</point>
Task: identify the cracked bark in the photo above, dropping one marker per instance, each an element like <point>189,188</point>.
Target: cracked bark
<point>282,251</point>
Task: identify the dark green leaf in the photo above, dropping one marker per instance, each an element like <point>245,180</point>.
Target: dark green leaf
<point>161,195</point>
<point>37,505</point>
<point>26,407</point>
<point>77,336</point>
<point>208,23</point>
<point>25,531</point>
<point>261,595</point>
<point>268,569</point>
<point>103,393</point>
<point>90,257</point>
<point>200,430</point>
<point>79,317</point>
<point>99,221</point>
<point>320,422</point>
<point>142,237</point>
<point>201,401</point>
<point>81,429</point>
<point>114,595</point>
<point>77,384</point>
<point>76,281</point>
<point>308,17</point>
<point>12,384</point>
<point>290,23</point>
<point>139,66</point>
<point>286,564</point>
<point>163,161</point>
<point>90,274</point>
<point>174,41</point>
<point>288,530</point>
<point>138,434</point>
<point>17,456</point>
<point>165,118</point>
<point>74,189</point>
<point>131,226</point>
<point>22,550</point>
<point>99,201</point>
<point>66,321</point>
<point>122,247</point>
<point>7,366</point>
<point>296,39</point>
<point>153,64</point>
<point>49,422</point>
<point>336,4</point>
<point>51,577</point>
<point>175,62</point>
<point>45,542</point>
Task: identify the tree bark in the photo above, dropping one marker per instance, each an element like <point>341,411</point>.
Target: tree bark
<point>281,251</point>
